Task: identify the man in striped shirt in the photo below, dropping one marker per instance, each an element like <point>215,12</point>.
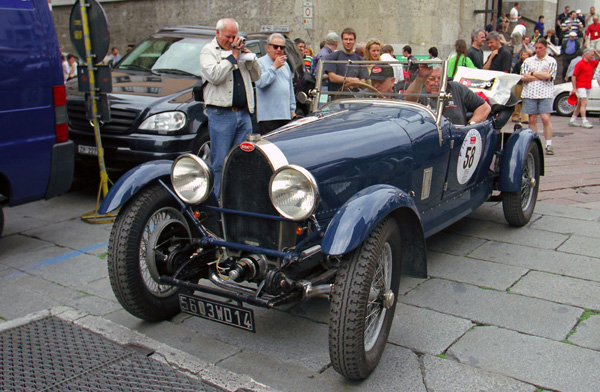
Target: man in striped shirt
<point>539,73</point>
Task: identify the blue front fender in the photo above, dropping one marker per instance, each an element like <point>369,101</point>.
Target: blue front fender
<point>514,157</point>
<point>360,214</point>
<point>132,181</point>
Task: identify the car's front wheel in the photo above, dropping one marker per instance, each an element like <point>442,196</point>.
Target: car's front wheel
<point>518,206</point>
<point>145,236</point>
<point>363,301</point>
<point>562,106</point>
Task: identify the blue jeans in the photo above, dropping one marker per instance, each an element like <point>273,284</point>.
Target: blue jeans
<point>227,129</point>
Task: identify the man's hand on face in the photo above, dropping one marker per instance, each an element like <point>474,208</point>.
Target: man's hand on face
<point>279,61</point>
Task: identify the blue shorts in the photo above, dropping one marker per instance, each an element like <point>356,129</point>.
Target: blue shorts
<point>537,106</point>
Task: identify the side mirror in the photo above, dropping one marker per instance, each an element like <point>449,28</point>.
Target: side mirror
<point>303,98</point>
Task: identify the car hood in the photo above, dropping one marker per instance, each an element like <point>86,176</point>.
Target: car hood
<point>349,149</point>
<point>139,90</point>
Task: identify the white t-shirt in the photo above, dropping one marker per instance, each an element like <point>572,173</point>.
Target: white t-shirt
<point>514,15</point>
<point>398,72</point>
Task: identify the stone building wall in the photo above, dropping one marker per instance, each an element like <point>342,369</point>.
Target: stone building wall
<point>420,24</point>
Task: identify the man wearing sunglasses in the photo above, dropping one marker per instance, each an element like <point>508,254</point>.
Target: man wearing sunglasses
<point>228,94</point>
<point>275,100</point>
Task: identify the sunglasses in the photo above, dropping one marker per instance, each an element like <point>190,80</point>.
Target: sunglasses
<point>282,47</point>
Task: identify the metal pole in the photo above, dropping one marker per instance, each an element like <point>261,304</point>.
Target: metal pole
<point>90,69</point>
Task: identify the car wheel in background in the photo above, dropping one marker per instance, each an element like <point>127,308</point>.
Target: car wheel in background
<point>146,235</point>
<point>561,106</point>
<point>363,301</point>
<point>201,146</point>
<point>518,206</point>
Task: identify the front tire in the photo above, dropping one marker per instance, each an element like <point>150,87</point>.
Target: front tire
<point>518,206</point>
<point>561,105</point>
<point>363,301</point>
<point>135,241</point>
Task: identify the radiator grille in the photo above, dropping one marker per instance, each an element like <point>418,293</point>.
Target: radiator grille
<point>245,187</point>
<point>120,123</point>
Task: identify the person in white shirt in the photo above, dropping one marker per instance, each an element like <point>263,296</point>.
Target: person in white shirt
<point>388,55</point>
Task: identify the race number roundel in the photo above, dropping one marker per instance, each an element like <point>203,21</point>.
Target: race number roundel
<point>468,159</point>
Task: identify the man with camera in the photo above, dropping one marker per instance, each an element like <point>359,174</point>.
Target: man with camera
<point>228,70</point>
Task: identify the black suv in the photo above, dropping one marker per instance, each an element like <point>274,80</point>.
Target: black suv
<point>153,112</point>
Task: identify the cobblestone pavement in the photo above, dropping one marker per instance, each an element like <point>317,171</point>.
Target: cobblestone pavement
<point>503,309</point>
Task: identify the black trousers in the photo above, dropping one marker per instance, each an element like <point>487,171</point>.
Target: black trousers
<point>566,61</point>
<point>268,126</point>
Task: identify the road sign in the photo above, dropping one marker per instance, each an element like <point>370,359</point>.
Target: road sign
<point>275,28</point>
<point>307,14</point>
<point>98,30</point>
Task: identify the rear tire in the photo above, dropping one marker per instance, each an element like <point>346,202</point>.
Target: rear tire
<point>133,236</point>
<point>518,206</point>
<point>362,307</point>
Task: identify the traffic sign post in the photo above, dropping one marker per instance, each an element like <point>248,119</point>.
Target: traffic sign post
<point>307,15</point>
<point>90,37</point>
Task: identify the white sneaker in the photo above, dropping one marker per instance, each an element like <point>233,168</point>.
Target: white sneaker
<point>574,123</point>
<point>587,124</point>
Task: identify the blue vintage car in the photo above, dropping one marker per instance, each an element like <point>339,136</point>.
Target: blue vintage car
<point>337,204</point>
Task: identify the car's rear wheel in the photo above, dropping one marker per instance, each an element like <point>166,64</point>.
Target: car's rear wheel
<point>518,206</point>
<point>1,220</point>
<point>363,301</point>
<point>144,237</point>
<point>562,106</point>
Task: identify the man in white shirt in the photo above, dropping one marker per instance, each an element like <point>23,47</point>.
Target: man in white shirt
<point>388,55</point>
<point>514,16</point>
<point>517,34</point>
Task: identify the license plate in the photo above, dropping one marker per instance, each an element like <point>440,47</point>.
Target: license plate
<point>223,313</point>
<point>87,150</point>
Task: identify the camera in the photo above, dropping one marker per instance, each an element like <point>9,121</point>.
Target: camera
<point>243,39</point>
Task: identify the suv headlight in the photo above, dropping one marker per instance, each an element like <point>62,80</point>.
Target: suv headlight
<point>166,121</point>
<point>293,192</point>
<point>192,178</point>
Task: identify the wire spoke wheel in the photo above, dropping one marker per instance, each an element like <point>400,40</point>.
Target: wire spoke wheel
<point>518,206</point>
<point>363,301</point>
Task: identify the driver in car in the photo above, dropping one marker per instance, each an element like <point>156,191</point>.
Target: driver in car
<point>461,102</point>
<point>382,78</point>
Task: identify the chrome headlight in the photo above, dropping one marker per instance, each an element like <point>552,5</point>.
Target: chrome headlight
<point>192,178</point>
<point>166,121</point>
<point>293,192</point>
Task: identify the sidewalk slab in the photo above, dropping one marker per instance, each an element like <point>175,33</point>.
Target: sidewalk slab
<point>560,289</point>
<point>582,246</point>
<point>476,272</point>
<point>506,233</point>
<point>568,264</point>
<point>449,376</point>
<point>588,333</point>
<point>453,244</point>
<point>426,331</point>
<point>568,226</point>
<point>531,359</point>
<point>490,307</point>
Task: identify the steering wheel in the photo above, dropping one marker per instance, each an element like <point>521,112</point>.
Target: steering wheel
<point>352,85</point>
